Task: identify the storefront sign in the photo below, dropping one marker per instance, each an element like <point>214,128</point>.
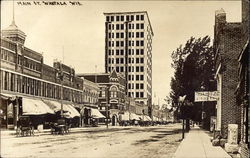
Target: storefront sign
<point>206,96</point>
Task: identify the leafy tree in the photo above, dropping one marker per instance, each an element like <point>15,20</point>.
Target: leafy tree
<point>194,67</point>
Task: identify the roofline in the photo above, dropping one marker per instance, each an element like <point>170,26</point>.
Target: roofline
<point>110,13</point>
<point>91,74</point>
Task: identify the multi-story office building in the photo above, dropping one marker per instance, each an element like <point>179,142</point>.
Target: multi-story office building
<point>128,50</point>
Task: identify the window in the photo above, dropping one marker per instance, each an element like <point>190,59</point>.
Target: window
<point>142,77</point>
<point>142,17</point>
<point>122,43</point>
<point>109,43</point>
<point>127,18</point>
<point>117,18</point>
<point>129,26</point>
<point>107,18</point>
<point>122,35</point>
<point>109,52</point>
<point>142,34</point>
<point>142,51</point>
<point>137,68</point>
<point>141,86</point>
<point>122,27</point>
<point>122,60</point>
<point>142,43</point>
<point>129,43</point>
<point>117,69</point>
<point>122,18</point>
<point>137,26</point>
<point>117,51</point>
<point>137,77</point>
<point>109,35</point>
<point>117,60</point>
<point>109,61</point>
<point>132,60</point>
<point>113,91</point>
<point>112,35</point>
<point>117,26</point>
<point>137,94</point>
<point>109,26</point>
<point>112,18</point>
<point>137,60</point>
<point>129,77</point>
<point>129,69</point>
<point>137,51</point>
<point>117,43</point>
<point>112,51</point>
<point>137,43</point>
<point>132,43</point>
<point>129,35</point>
<point>132,17</point>
<point>142,68</point>
<point>113,43</point>
<point>117,35</point>
<point>142,26</point>
<point>137,34</point>
<point>137,86</point>
<point>142,60</point>
<point>129,86</point>
<point>122,69</point>
<point>142,94</point>
<point>122,52</point>
<point>137,17</point>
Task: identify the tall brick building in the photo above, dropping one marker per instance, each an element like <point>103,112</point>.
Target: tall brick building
<point>227,45</point>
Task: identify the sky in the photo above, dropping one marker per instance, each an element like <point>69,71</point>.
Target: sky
<point>76,35</point>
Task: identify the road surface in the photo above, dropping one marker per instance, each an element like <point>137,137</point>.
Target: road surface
<point>132,142</point>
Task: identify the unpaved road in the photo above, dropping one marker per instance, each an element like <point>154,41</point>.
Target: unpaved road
<point>132,142</point>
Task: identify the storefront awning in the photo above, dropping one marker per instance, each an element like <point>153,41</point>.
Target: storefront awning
<point>125,116</point>
<point>133,116</point>
<point>56,106</point>
<point>7,96</point>
<point>147,118</point>
<point>95,113</point>
<point>35,107</point>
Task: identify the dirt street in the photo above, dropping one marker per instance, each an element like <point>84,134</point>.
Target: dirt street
<point>139,142</point>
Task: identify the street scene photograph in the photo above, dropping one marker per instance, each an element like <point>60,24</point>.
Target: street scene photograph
<point>124,79</point>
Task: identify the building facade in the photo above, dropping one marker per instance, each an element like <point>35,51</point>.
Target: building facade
<point>26,82</point>
<point>227,45</point>
<point>128,50</point>
<point>111,99</point>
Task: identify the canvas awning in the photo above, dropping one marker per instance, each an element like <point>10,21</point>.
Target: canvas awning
<point>147,118</point>
<point>125,116</point>
<point>7,96</point>
<point>56,106</point>
<point>133,116</point>
<point>35,107</point>
<point>95,113</point>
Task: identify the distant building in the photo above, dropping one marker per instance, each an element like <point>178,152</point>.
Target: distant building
<point>112,93</point>
<point>90,92</point>
<point>128,50</point>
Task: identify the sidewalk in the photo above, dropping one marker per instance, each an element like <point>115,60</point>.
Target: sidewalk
<point>197,144</point>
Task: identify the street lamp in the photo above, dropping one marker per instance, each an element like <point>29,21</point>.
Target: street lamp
<point>202,108</point>
<point>181,102</point>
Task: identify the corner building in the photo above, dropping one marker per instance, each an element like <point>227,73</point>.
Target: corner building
<point>128,50</point>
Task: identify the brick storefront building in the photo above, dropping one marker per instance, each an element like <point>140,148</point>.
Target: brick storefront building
<point>27,85</point>
<point>227,45</point>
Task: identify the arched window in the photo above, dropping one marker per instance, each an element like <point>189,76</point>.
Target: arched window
<point>113,91</point>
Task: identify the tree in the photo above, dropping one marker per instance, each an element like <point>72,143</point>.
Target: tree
<point>194,67</point>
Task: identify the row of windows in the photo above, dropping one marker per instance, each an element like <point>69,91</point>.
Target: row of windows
<point>138,77</point>
<point>122,18</point>
<point>130,35</point>
<point>122,26</point>
<point>121,43</point>
<point>137,69</point>
<point>130,52</point>
<point>137,94</point>
<point>26,85</point>
<point>130,60</point>
<point>137,86</point>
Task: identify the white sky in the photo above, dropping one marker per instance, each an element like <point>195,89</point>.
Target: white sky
<point>80,30</point>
